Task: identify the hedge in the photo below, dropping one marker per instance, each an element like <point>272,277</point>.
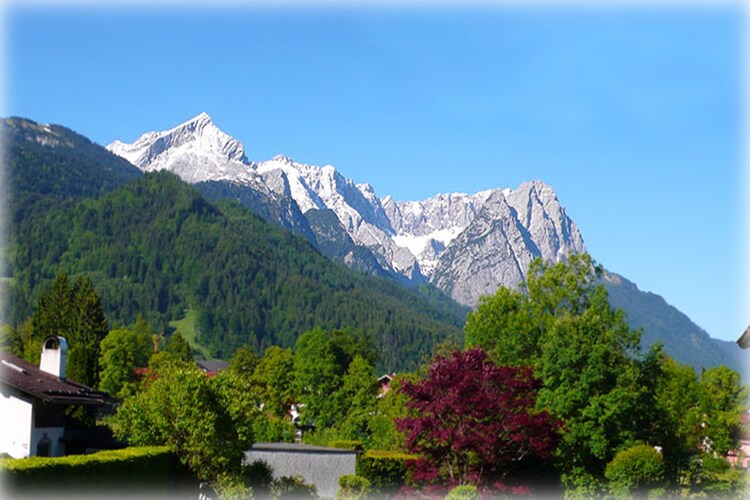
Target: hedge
<point>346,444</point>
<point>384,469</point>
<point>142,467</point>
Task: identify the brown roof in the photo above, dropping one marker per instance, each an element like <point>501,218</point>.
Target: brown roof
<point>212,366</point>
<point>29,379</point>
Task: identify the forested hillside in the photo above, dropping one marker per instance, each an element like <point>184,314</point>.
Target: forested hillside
<point>52,160</point>
<point>156,247</point>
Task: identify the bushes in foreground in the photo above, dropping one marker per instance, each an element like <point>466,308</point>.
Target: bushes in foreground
<point>134,467</point>
<point>352,487</point>
<point>385,470</point>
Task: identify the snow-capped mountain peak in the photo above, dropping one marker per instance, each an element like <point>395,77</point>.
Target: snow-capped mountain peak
<point>196,150</point>
<point>280,158</point>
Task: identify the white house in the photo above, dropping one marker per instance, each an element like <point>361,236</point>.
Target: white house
<point>33,401</point>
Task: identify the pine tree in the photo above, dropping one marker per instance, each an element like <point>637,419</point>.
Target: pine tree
<point>53,315</point>
<point>90,328</point>
<point>75,313</point>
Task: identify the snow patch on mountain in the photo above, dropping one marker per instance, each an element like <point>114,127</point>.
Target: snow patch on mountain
<point>427,227</point>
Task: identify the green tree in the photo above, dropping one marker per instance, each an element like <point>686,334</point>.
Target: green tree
<point>122,351</point>
<point>383,434</point>
<point>143,329</point>
<point>591,383</point>
<point>275,377</point>
<point>504,326</point>
<point>75,313</point>
<point>54,312</point>
<point>678,422</point>
<point>239,399</point>
<point>90,328</point>
<point>11,341</point>
<point>349,343</point>
<point>358,392</point>
<point>723,400</point>
<point>205,421</point>
<point>179,347</point>
<point>244,361</point>
<point>583,351</point>
<point>317,379</point>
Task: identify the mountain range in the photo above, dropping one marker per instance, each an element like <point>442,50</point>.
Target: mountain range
<point>466,245</point>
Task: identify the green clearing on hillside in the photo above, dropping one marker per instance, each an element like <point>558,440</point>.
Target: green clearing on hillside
<point>188,328</point>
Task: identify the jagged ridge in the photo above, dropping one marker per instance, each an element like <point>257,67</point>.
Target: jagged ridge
<point>417,240</point>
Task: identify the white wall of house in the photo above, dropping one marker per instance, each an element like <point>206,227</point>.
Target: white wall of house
<point>19,436</point>
<point>16,423</point>
<point>57,448</point>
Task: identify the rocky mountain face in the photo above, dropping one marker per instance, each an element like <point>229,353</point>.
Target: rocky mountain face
<point>467,245</point>
<point>359,211</point>
<point>427,227</point>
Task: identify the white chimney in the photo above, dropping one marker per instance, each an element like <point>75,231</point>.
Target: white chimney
<point>54,352</point>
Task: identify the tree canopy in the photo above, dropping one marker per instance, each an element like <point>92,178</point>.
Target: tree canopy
<point>123,351</point>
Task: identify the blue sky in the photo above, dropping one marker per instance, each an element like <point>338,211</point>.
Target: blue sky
<point>634,115</point>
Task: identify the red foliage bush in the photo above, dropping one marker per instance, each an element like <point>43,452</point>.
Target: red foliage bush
<point>474,420</point>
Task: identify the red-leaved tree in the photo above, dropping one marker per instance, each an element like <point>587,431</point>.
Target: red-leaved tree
<point>474,420</point>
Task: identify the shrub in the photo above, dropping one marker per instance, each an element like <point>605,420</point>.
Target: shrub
<point>293,487</point>
<point>712,464</point>
<point>384,469</point>
<point>352,487</point>
<point>259,476</point>
<point>231,487</point>
<point>639,467</point>
<point>715,477</point>
<point>464,492</point>
<point>148,466</point>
